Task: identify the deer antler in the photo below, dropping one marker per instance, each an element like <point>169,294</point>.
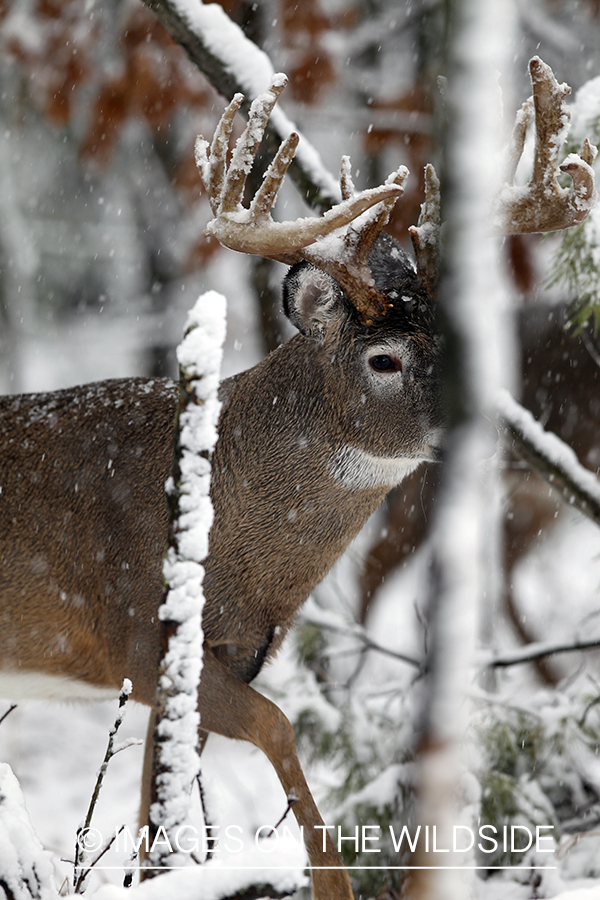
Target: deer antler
<point>353,225</point>
<point>425,235</point>
<point>543,205</point>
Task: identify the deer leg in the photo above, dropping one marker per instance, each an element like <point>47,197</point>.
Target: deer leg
<point>406,513</point>
<point>531,507</point>
<point>232,708</point>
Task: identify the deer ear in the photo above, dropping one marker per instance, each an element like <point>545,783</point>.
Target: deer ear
<point>312,300</point>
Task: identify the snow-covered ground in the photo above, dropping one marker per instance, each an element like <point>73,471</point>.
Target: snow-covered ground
<point>56,749</point>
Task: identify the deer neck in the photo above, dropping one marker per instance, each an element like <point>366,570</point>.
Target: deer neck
<point>290,493</point>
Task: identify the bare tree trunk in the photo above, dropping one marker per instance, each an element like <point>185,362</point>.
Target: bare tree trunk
<point>472,314</point>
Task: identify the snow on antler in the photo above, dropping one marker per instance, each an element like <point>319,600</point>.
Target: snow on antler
<point>543,205</point>
<point>252,230</point>
<point>540,206</point>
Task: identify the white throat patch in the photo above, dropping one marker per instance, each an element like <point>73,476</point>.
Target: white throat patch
<point>358,470</point>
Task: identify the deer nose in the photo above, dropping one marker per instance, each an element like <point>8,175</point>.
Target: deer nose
<point>490,438</point>
<point>435,445</point>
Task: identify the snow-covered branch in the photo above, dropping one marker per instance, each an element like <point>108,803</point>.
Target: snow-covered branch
<point>234,64</point>
<point>312,614</point>
<point>176,762</point>
<point>551,458</point>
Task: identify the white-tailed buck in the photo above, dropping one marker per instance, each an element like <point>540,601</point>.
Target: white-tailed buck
<point>310,442</point>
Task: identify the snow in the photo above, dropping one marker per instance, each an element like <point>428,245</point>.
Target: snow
<point>25,867</point>
<point>213,880</point>
<point>586,109</point>
<point>548,444</point>
<point>199,355</point>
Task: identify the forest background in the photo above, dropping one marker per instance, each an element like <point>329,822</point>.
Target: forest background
<point>101,255</point>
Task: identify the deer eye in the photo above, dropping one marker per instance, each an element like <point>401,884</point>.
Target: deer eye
<point>385,363</point>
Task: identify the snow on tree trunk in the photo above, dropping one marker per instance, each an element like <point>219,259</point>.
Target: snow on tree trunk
<point>472,311</point>
<point>176,761</point>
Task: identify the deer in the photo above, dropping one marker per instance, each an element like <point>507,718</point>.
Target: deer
<point>310,442</point>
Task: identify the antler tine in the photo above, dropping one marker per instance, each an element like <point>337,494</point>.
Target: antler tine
<point>346,183</point>
<point>552,118</point>
<point>246,147</point>
<point>267,193</point>
<point>588,152</point>
<point>517,142</point>
<point>212,163</point>
<point>425,235</point>
<point>544,205</point>
<point>362,234</point>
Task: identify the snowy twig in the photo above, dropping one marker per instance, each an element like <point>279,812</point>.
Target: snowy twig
<point>84,872</point>
<point>312,615</point>
<point>291,802</point>
<point>83,864</point>
<point>234,64</point>
<point>8,712</point>
<point>538,650</point>
<point>551,458</point>
<point>176,762</point>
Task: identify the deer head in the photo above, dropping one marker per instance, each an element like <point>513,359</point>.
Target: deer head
<point>351,290</point>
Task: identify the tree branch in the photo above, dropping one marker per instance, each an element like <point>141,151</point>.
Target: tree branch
<point>551,458</point>
<point>8,712</point>
<point>538,650</point>
<point>315,616</point>
<point>234,64</point>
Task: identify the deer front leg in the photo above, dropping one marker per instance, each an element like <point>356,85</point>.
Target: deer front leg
<point>232,708</point>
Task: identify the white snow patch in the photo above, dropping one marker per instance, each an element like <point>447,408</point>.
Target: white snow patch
<point>25,867</point>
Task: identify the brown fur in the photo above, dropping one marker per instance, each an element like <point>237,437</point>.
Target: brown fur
<point>84,518</point>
